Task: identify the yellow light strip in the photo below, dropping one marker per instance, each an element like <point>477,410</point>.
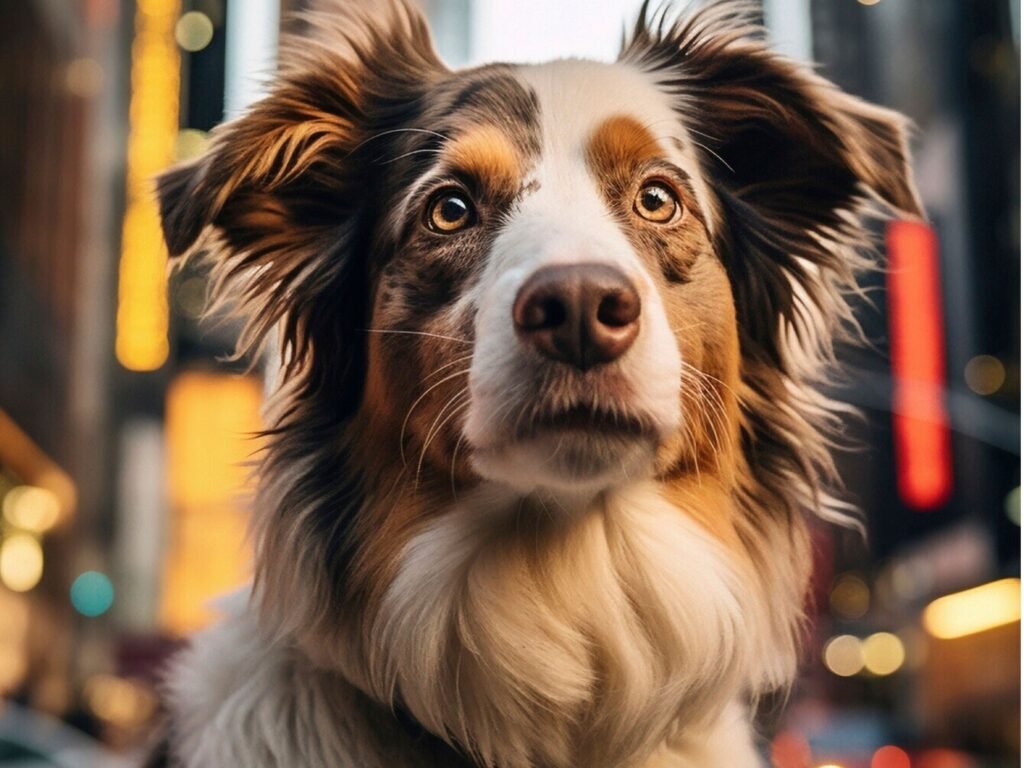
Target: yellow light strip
<point>210,420</point>
<point>974,610</point>
<point>142,314</point>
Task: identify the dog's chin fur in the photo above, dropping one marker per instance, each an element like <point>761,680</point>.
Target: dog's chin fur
<point>573,464</point>
<point>467,554</point>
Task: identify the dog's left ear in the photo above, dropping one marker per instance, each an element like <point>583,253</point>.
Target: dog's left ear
<point>274,205</point>
<point>791,159</point>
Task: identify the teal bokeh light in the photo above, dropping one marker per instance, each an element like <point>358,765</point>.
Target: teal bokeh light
<point>92,593</point>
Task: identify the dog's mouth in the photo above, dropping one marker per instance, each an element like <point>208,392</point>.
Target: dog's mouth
<point>569,432</point>
<point>585,420</point>
<point>581,446</point>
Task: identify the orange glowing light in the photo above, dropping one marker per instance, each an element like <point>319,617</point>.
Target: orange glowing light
<point>920,420</point>
<point>790,750</point>
<point>890,757</point>
<point>974,610</point>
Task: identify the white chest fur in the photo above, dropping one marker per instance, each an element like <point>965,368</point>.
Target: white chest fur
<point>563,637</point>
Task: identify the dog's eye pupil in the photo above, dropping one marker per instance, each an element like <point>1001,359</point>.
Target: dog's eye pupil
<point>656,202</point>
<point>453,209</point>
<point>654,198</point>
<point>450,212</point>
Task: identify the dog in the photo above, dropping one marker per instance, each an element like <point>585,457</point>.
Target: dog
<point>546,434</point>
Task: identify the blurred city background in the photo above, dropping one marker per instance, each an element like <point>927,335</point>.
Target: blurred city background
<point>122,429</point>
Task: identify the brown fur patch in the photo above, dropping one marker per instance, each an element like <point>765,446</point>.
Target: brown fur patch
<point>487,153</point>
<point>619,145</point>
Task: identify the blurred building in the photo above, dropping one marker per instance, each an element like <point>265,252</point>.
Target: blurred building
<point>124,430</point>
<point>60,134</point>
<point>936,463</point>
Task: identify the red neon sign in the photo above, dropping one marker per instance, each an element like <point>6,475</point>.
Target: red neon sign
<point>920,419</point>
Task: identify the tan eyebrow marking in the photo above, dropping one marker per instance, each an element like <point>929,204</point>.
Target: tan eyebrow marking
<point>487,153</point>
<point>619,144</point>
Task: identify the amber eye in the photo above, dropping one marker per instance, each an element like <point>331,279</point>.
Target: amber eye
<point>450,211</point>
<point>657,202</point>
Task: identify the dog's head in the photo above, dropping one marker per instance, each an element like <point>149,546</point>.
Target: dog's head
<point>544,283</point>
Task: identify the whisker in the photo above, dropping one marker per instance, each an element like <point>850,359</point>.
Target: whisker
<point>714,154</point>
<point>417,333</point>
<point>440,368</point>
<point>691,437</point>
<point>408,415</point>
<point>705,375</point>
<point>691,129</point>
<point>681,328</point>
<point>382,134</point>
<point>427,151</point>
<point>436,428</point>
<point>455,455</point>
<point>713,413</point>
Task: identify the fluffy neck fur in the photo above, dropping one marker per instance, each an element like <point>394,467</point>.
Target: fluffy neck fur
<point>552,636</point>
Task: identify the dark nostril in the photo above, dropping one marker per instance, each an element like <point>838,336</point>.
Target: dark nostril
<point>579,314</point>
<point>619,308</point>
<point>541,312</point>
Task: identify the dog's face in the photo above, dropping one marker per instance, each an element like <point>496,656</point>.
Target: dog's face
<point>562,277</point>
<point>545,432</point>
<point>548,307</point>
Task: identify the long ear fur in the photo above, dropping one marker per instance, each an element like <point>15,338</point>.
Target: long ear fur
<point>794,165</point>
<point>274,205</point>
<point>276,209</point>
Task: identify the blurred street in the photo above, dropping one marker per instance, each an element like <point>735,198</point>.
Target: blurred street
<point>124,425</point>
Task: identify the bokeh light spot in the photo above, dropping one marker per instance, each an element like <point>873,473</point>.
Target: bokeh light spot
<point>984,374</point>
<point>790,750</point>
<point>883,653</point>
<point>890,757</point>
<point>843,656</point>
<point>194,31</point>
<point>850,597</point>
<point>119,701</point>
<point>21,562</point>
<point>31,509</point>
<point>1012,505</point>
<point>915,646</point>
<point>190,297</point>
<point>84,77</point>
<point>943,758</point>
<point>92,593</point>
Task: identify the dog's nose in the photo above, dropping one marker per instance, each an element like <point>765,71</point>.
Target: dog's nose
<point>579,314</point>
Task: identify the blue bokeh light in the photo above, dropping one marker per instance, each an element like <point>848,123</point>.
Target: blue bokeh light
<point>92,593</point>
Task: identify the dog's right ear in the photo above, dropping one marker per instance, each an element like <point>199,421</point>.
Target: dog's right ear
<point>273,203</point>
